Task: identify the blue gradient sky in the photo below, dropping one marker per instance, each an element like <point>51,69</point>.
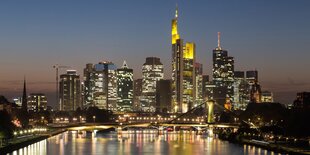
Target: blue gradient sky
<point>270,36</point>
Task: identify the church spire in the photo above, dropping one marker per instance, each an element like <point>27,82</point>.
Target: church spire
<point>24,98</point>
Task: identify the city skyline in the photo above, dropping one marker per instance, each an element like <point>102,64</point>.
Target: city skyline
<point>250,41</point>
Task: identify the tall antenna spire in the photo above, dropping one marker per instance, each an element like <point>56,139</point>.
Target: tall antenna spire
<point>176,11</point>
<point>219,40</point>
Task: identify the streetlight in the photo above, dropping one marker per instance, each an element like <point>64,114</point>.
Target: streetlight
<point>94,118</point>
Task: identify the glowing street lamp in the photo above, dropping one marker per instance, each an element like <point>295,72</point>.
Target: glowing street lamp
<point>94,118</point>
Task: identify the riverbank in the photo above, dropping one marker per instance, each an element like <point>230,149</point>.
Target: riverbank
<point>276,147</point>
<point>281,148</point>
<point>16,144</point>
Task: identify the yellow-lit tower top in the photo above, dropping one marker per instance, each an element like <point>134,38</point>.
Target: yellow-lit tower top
<point>174,27</point>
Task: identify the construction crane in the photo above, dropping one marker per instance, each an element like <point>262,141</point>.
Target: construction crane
<point>57,67</point>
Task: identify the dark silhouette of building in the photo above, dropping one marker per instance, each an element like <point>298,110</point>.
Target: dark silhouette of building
<point>163,96</point>
<point>137,93</point>
<point>302,100</point>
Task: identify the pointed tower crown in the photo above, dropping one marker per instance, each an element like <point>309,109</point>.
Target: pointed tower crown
<point>174,27</point>
<point>125,64</point>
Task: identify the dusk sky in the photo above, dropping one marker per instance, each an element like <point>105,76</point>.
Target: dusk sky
<point>270,36</point>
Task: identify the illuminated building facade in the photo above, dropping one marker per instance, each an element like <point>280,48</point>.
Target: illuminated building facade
<point>241,91</point>
<point>69,93</point>
<point>100,85</point>
<point>152,72</point>
<point>189,77</point>
<point>124,88</point>
<point>223,75</point>
<point>198,85</point>
<point>183,71</point>
<point>37,102</point>
<point>89,85</point>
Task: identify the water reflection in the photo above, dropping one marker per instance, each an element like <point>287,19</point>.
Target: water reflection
<point>136,142</point>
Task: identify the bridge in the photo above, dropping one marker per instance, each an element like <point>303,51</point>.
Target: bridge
<point>161,123</point>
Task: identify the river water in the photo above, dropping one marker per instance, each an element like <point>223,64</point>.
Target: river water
<point>136,143</point>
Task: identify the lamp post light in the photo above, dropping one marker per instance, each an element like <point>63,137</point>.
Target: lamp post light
<point>94,118</point>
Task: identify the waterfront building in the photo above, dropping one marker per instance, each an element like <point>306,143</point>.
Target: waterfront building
<point>37,102</point>
<point>70,92</point>
<point>124,88</point>
<point>152,72</point>
<point>163,96</point>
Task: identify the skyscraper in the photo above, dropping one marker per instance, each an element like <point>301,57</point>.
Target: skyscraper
<point>241,91</point>
<point>223,75</point>
<point>177,66</point>
<point>152,71</point>
<point>183,70</point>
<point>100,85</point>
<point>89,85</point>
<point>69,93</point>
<point>124,88</point>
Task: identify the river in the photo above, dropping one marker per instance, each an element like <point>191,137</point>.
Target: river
<point>137,143</point>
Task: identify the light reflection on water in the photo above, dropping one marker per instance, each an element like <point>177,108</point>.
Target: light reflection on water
<point>136,143</point>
